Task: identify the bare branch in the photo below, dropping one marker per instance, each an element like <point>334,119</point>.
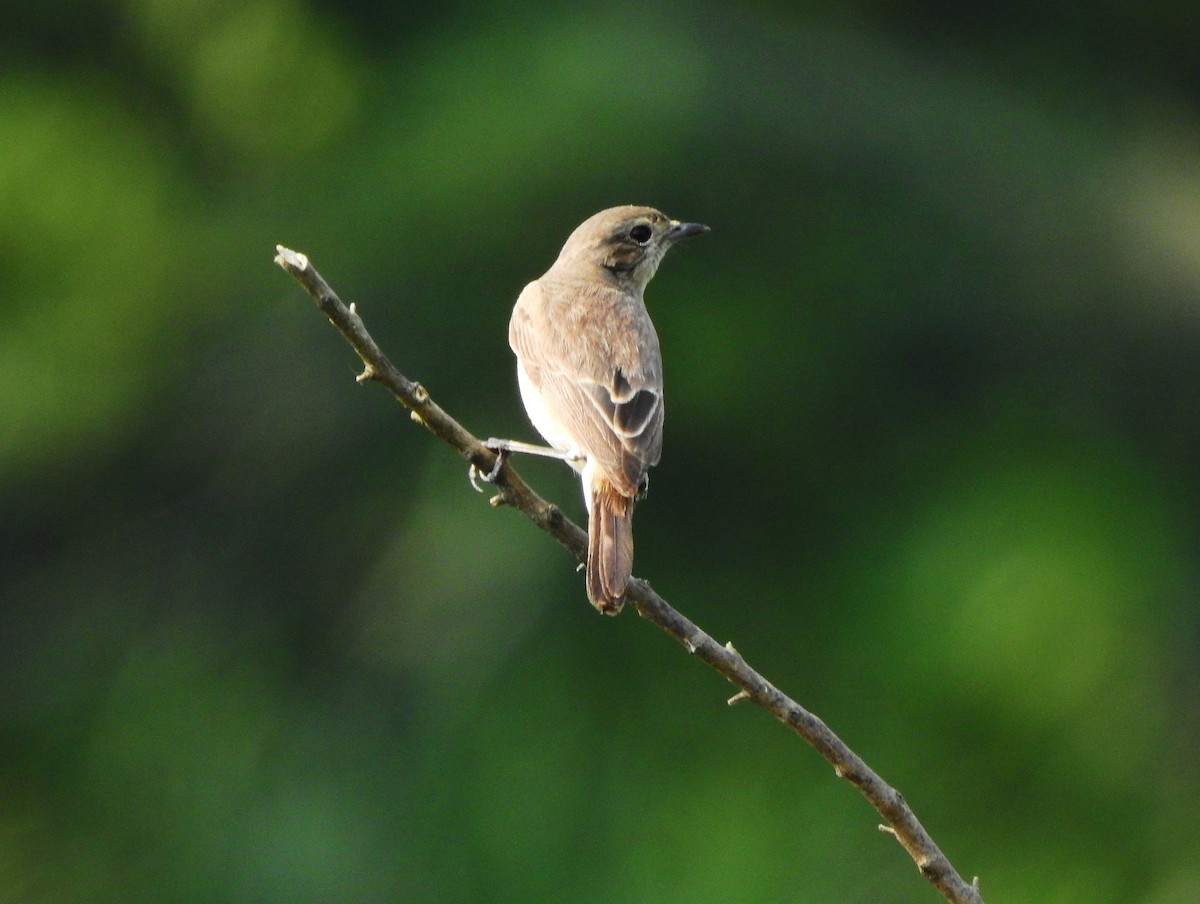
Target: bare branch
<point>900,820</point>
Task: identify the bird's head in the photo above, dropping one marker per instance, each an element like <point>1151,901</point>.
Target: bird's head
<point>626,243</point>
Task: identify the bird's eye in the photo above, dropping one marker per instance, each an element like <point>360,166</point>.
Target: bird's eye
<point>640,233</point>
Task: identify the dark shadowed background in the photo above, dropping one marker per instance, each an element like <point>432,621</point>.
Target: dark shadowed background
<point>931,460</point>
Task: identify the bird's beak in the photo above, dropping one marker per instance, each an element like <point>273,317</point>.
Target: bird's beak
<point>683,230</point>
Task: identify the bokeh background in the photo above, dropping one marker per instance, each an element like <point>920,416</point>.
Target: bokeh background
<point>931,451</point>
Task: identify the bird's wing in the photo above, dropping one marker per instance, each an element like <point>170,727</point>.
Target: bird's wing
<point>614,411</point>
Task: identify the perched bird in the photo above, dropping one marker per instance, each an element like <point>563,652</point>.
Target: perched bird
<point>590,374</point>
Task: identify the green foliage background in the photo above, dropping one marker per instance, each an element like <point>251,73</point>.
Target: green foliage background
<point>931,452</point>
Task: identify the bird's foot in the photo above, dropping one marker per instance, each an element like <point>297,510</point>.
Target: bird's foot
<point>474,473</point>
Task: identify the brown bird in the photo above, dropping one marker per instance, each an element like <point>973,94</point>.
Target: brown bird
<point>590,373</point>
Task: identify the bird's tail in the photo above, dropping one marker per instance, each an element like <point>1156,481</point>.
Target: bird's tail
<point>610,548</point>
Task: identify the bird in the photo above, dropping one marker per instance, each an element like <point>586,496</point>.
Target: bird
<point>589,369</point>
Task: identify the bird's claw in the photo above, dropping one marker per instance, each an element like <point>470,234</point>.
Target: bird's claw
<point>473,473</point>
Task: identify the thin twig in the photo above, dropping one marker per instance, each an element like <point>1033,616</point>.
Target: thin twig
<point>901,822</point>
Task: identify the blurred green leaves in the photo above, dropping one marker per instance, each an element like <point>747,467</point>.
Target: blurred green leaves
<point>1027,576</point>
<point>265,80</point>
<point>87,241</point>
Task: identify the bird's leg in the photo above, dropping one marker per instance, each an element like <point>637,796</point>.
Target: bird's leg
<point>504,447</point>
<point>512,445</point>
